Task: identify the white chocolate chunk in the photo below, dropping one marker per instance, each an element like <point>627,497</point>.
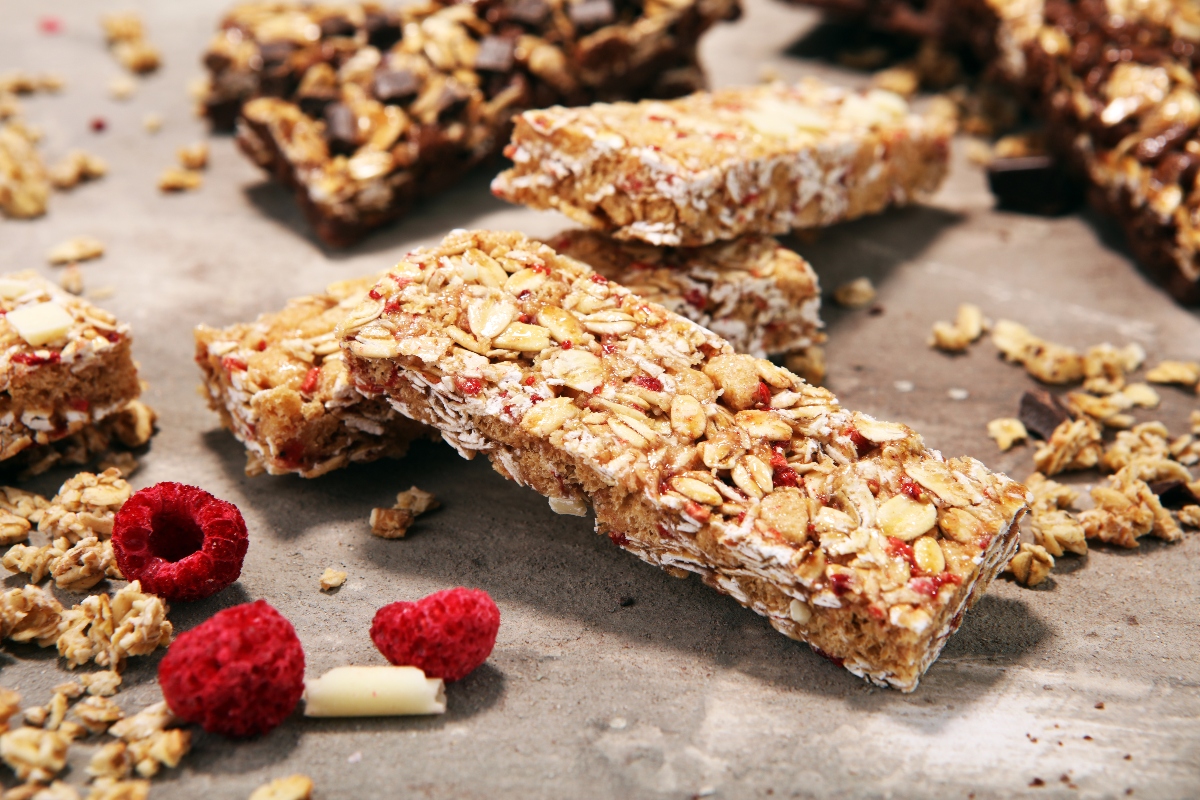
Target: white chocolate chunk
<point>41,323</point>
<point>11,289</point>
<point>373,692</point>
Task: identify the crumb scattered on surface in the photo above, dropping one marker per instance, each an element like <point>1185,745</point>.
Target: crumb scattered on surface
<point>957,394</point>
<point>152,122</point>
<point>858,293</point>
<point>293,787</point>
<point>332,578</point>
<point>194,156</point>
<point>1007,432</point>
<point>174,179</point>
<point>1031,565</point>
<point>969,324</point>
<point>122,87</point>
<point>72,280</point>
<point>76,249</point>
<point>1182,373</point>
<point>390,523</point>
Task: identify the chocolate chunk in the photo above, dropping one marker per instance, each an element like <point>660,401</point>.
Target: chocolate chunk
<point>336,26</point>
<point>1178,168</point>
<point>450,101</point>
<point>274,53</point>
<point>1151,149</point>
<point>589,15</point>
<point>1033,185</point>
<point>527,12</point>
<point>341,128</point>
<point>1042,412</point>
<point>395,85</point>
<point>314,105</point>
<point>382,31</point>
<point>495,54</point>
<point>1173,494</point>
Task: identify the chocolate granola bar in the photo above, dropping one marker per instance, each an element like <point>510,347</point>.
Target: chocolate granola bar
<point>65,365</point>
<point>280,384</point>
<point>363,110</point>
<point>715,166</point>
<point>846,532</point>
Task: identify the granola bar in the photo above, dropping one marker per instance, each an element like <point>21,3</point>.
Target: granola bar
<point>363,111</point>
<point>759,296</point>
<point>280,385</point>
<point>65,365</point>
<point>846,532</point>
<point>715,166</point>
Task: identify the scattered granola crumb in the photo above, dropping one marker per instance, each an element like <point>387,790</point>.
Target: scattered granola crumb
<point>152,122</point>
<point>390,523</point>
<point>293,787</point>
<point>1046,361</point>
<point>1141,395</point>
<point>808,363</point>
<point>79,248</point>
<point>122,87</point>
<point>979,152</point>
<point>101,684</point>
<point>1031,565</point>
<point>969,325</point>
<point>1075,444</point>
<point>1007,432</point>
<point>34,754</point>
<point>1127,509</point>
<point>901,80</point>
<point>72,280</point>
<point>858,293</point>
<point>24,182</point>
<point>957,394</point>
<point>194,156</point>
<point>174,179</point>
<point>75,168</point>
<point>417,501</point>
<point>1183,373</point>
<point>127,38</point>
<point>1104,367</point>
<point>904,386</point>
<point>332,578</point>
<point>1190,515</point>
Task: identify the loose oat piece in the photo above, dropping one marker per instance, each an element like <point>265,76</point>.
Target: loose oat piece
<point>858,293</point>
<point>65,365</point>
<point>1031,565</point>
<point>174,179</point>
<point>127,38</point>
<point>362,121</point>
<point>1190,515</point>
<point>24,181</point>
<point>1046,361</point>
<point>1007,432</point>
<point>293,787</point>
<point>1184,373</point>
<point>75,168</point>
<point>715,166</point>
<point>78,248</point>
<point>968,326</point>
<point>846,532</point>
<point>332,578</point>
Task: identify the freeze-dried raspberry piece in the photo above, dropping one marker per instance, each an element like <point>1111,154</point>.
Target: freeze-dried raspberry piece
<point>447,634</point>
<point>179,541</point>
<point>239,674</point>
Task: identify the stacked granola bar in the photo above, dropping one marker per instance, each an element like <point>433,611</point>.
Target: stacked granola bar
<point>1117,83</point>
<point>363,109</point>
<point>280,383</point>
<point>846,532</point>
<point>68,382</point>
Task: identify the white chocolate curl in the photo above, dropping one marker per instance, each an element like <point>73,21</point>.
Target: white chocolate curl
<point>374,692</point>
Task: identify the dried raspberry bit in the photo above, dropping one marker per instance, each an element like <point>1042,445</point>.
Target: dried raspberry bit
<point>861,443</point>
<point>535,399</point>
<point>231,363</point>
<point>50,25</point>
<point>697,512</point>
<point>566,345</point>
<point>179,541</point>
<point>261,346</point>
<point>468,386</point>
<point>912,489</point>
<point>447,634</point>
<point>646,382</point>
<point>763,395</point>
<point>509,151</point>
<point>525,319</point>
<point>946,578</point>
<point>695,298</point>
<point>525,295</point>
<point>618,538</point>
<point>530,380</point>
<point>785,476</point>
<point>598,278</point>
<point>391,306</point>
<point>310,381</point>
<point>925,586</point>
<point>898,548</point>
<point>839,582</point>
<point>34,359</point>
<point>541,267</point>
<point>876,612</point>
<point>79,403</point>
<point>98,124</point>
<point>239,674</point>
<point>374,294</point>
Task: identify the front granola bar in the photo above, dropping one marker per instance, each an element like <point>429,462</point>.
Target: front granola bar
<point>715,166</point>
<point>65,365</point>
<point>280,385</point>
<point>846,532</point>
<point>363,111</point>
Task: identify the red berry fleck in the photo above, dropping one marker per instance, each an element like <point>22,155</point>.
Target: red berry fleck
<point>876,612</point>
<point>778,459</point>
<point>566,345</point>
<point>946,578</point>
<point>374,294</point>
<point>696,298</point>
<point>925,586</point>
<point>469,386</point>
<point>598,278</point>
<point>839,582</point>
<point>785,476</point>
<point>530,380</point>
<point>79,403</point>
<point>525,295</point>
<point>541,267</point>
<point>231,363</point>
<point>535,399</point>
<point>724,135</point>
<point>238,674</point>
<point>984,542</point>
<point>50,25</point>
<point>898,548</point>
<point>33,359</point>
<point>525,319</point>
<point>618,538</point>
<point>179,541</point>
<point>861,443</point>
<point>646,382</point>
<point>112,336</point>
<point>697,512</point>
<point>664,533</point>
<point>392,306</point>
<point>310,381</point>
<point>762,395</point>
<point>447,634</point>
<point>98,124</point>
<point>912,489</point>
<point>262,345</point>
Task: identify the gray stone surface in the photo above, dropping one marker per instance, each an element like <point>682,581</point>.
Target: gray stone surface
<point>683,692</point>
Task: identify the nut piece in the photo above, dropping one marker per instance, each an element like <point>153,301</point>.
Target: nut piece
<point>905,518</point>
<point>1007,431</point>
<point>928,555</point>
<point>293,787</point>
<point>855,294</point>
<point>390,523</point>
<point>332,578</point>
<point>1184,373</point>
<point>968,326</point>
<point>737,377</point>
<point>80,248</point>
<point>1031,565</point>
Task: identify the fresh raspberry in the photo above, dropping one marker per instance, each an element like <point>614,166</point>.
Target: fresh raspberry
<point>447,634</point>
<point>179,541</point>
<point>238,674</point>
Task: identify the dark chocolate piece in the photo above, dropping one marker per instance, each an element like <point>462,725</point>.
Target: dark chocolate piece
<point>588,15</point>
<point>527,12</point>
<point>1173,494</point>
<point>495,54</point>
<point>1042,412</point>
<point>336,26</point>
<point>341,128</point>
<point>1033,185</point>
<point>395,85</point>
<point>382,31</point>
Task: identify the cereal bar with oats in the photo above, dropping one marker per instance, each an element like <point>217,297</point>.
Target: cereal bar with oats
<point>65,366</point>
<point>759,296</point>
<point>363,111</point>
<point>279,383</point>
<point>845,532</point>
<point>280,386</point>
<point>715,166</point>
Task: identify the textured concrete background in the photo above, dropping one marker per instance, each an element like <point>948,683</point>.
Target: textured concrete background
<point>684,692</point>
